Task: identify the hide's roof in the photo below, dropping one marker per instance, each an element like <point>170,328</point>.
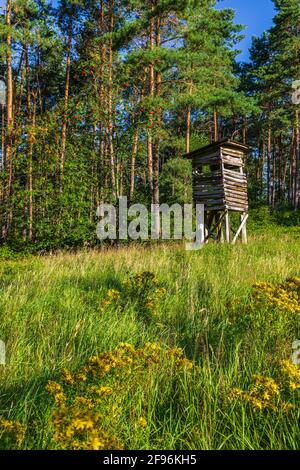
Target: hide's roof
<point>222,143</point>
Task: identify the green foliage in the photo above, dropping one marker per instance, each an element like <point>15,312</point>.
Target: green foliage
<point>263,218</point>
<point>176,182</point>
<point>145,290</point>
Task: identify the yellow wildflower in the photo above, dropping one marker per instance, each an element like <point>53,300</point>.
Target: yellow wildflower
<point>53,387</point>
<point>67,377</point>
<point>13,429</point>
<point>83,401</point>
<point>114,294</point>
<point>292,372</point>
<point>142,422</point>
<point>101,391</point>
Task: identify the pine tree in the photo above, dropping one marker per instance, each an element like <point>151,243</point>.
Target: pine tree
<point>274,67</point>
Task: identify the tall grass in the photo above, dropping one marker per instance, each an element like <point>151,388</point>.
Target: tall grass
<point>50,319</point>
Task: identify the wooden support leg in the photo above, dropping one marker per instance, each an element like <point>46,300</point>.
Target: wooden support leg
<point>244,230</point>
<point>208,223</point>
<point>213,225</point>
<point>227,227</point>
<point>220,233</point>
<point>205,227</point>
<point>222,239</point>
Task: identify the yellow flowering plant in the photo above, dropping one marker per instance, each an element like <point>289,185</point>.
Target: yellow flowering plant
<point>285,297</point>
<point>12,433</point>
<point>90,406</point>
<point>272,394</point>
<point>146,292</point>
<point>143,290</point>
<point>291,374</point>
<point>268,307</point>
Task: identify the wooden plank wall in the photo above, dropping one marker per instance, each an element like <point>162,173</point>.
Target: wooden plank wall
<point>223,187</point>
<point>234,179</point>
<point>208,188</point>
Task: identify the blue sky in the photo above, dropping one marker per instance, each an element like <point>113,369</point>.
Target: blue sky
<point>256,15</point>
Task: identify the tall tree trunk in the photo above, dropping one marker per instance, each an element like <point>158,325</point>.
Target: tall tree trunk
<point>2,137</point>
<point>297,142</point>
<point>31,121</point>
<point>9,120</point>
<point>260,167</point>
<point>274,172</point>
<point>284,178</point>
<point>216,131</point>
<point>30,165</point>
<point>262,164</point>
<point>188,130</point>
<point>269,164</point>
<point>245,131</point>
<point>188,122</point>
<point>133,160</point>
<point>156,160</point>
<point>151,94</point>
<point>21,89</point>
<point>28,139</point>
<point>101,174</point>
<point>66,104</point>
<point>110,103</point>
<point>292,169</point>
<point>281,165</point>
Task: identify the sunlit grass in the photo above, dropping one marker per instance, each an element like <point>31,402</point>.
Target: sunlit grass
<point>50,318</point>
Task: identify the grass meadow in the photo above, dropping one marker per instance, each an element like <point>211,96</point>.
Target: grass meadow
<point>206,360</point>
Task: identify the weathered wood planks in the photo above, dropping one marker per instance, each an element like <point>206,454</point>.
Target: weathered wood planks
<point>220,184</point>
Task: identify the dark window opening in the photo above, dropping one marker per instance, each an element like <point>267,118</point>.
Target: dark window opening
<point>237,169</point>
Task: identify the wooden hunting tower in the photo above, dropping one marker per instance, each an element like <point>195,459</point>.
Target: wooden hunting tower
<point>220,183</point>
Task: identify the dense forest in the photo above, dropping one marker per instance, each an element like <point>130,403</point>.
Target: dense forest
<point>104,98</point>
